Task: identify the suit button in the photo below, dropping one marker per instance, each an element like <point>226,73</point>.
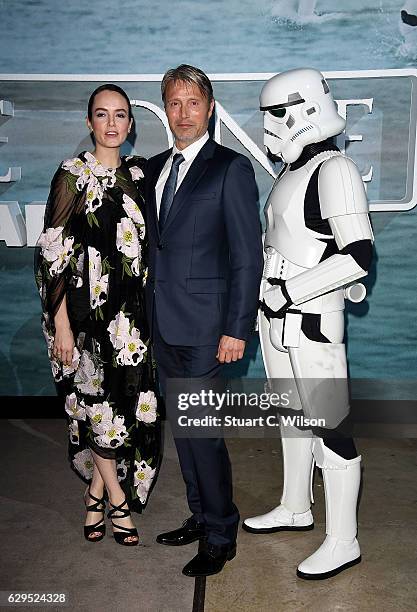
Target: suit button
<point>160,246</point>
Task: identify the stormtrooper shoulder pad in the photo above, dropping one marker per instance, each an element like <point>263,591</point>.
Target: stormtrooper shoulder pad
<point>341,189</point>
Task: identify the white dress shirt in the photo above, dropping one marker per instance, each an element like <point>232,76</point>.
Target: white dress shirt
<point>189,153</point>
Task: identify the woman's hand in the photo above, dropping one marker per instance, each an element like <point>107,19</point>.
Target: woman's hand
<point>63,344</point>
<point>64,338</point>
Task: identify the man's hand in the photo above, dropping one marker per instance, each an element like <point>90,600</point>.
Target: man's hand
<point>230,349</point>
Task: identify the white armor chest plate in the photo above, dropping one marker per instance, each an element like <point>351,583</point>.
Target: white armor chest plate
<point>291,247</point>
<point>286,231</point>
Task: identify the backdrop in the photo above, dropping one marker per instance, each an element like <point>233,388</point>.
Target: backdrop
<point>363,48</point>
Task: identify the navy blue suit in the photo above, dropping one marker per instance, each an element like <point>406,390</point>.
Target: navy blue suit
<point>203,282</point>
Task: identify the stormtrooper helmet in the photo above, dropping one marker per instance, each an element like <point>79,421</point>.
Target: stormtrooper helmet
<point>298,110</point>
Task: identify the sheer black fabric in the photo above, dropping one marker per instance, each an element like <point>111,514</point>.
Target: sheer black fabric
<point>93,254</point>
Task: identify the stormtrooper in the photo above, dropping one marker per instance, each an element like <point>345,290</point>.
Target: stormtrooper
<point>318,242</point>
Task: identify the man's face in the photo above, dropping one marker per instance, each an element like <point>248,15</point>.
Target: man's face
<point>188,112</point>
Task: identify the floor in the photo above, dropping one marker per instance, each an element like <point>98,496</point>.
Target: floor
<point>43,549</point>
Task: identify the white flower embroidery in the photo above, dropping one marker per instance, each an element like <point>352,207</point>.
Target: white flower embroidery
<point>133,349</point>
<point>127,341</point>
<point>111,433</point>
<point>63,258</point>
<point>78,274</point>
<point>136,172</point>
<point>98,283</point>
<point>94,194</point>
<point>55,364</point>
<point>133,210</point>
<point>145,277</point>
<point>94,262</point>
<point>74,433</point>
<point>74,165</point>
<point>55,251</point>
<point>51,242</point>
<point>96,167</point>
<point>84,177</point>
<point>83,463</point>
<point>56,370</point>
<point>67,370</point>
<point>144,475</point>
<point>48,337</point>
<point>119,330</point>
<point>135,267</point>
<point>94,175</point>
<point>75,409</point>
<point>127,240</point>
<point>88,377</point>
<point>121,470</point>
<point>146,407</point>
<point>99,414</point>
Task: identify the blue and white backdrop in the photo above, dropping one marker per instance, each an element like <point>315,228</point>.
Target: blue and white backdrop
<point>52,57</point>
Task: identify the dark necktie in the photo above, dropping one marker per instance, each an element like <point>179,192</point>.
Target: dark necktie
<point>169,190</point>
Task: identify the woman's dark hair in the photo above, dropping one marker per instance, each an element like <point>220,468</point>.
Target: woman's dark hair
<point>108,87</point>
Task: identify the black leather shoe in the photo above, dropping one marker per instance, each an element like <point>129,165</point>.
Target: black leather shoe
<point>211,560</point>
<point>191,531</point>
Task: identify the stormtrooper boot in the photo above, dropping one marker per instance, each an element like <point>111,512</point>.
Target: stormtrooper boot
<point>293,513</point>
<point>340,549</point>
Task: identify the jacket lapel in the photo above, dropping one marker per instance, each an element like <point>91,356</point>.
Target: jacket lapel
<point>195,173</point>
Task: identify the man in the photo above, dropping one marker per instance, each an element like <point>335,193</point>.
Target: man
<point>205,266</point>
<point>318,241</point>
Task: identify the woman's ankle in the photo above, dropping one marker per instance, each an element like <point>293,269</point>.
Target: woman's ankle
<point>117,497</point>
<point>96,489</point>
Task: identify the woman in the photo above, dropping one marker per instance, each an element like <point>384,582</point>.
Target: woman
<point>91,270</point>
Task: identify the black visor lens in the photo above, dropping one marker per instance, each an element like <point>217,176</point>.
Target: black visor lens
<point>278,112</point>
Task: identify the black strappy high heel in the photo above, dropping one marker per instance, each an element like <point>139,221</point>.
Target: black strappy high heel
<point>120,536</point>
<point>99,527</point>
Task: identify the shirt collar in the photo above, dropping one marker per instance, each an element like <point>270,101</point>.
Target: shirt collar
<point>191,151</point>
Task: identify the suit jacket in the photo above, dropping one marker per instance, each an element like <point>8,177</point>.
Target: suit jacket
<point>206,265</point>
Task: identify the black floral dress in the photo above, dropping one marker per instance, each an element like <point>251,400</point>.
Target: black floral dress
<point>92,252</point>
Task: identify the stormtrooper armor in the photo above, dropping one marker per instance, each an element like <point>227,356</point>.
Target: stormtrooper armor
<point>318,241</point>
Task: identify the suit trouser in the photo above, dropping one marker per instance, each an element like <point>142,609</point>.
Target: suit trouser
<point>204,462</point>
